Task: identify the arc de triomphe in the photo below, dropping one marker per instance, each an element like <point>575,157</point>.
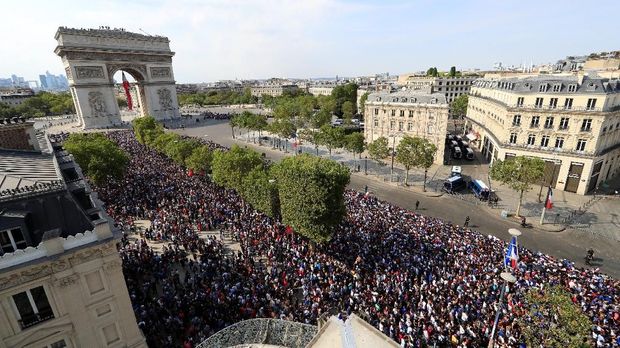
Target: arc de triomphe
<point>91,58</point>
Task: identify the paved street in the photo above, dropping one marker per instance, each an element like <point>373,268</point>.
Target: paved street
<point>570,244</point>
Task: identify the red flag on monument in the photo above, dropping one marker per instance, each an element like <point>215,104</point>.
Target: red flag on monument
<point>127,94</point>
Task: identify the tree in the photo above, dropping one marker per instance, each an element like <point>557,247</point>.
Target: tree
<point>554,320</point>
<point>415,152</point>
<point>163,140</point>
<point>100,158</point>
<point>331,137</point>
<point>348,108</point>
<point>363,100</point>
<point>230,167</point>
<point>312,136</point>
<point>459,105</point>
<point>122,102</point>
<point>146,129</point>
<point>321,118</point>
<point>519,173</point>
<point>452,71</point>
<point>261,191</point>
<point>200,159</point>
<point>179,150</point>
<point>233,122</point>
<point>354,143</point>
<point>283,128</point>
<point>379,149</point>
<point>343,93</point>
<point>311,191</point>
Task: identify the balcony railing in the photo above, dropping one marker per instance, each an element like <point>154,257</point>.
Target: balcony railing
<point>34,319</point>
<point>585,129</point>
<point>547,107</point>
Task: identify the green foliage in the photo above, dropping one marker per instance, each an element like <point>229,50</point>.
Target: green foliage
<point>260,193</point>
<point>200,159</point>
<point>180,149</point>
<point>342,94</point>
<point>379,149</point>
<point>519,173</point>
<point>331,137</point>
<point>311,191</point>
<point>554,320</point>
<point>348,108</point>
<point>230,167</point>
<point>432,72</point>
<point>415,152</point>
<point>122,102</point>
<point>42,104</point>
<point>354,142</point>
<point>146,129</point>
<point>283,128</point>
<point>163,140</point>
<point>363,100</point>
<point>452,71</point>
<point>459,105</point>
<point>227,97</point>
<point>100,158</point>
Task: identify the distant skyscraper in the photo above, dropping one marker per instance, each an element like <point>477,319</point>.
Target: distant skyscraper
<point>43,79</point>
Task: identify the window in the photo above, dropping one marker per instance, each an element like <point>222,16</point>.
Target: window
<point>539,102</point>
<point>572,88</point>
<point>376,122</point>
<point>542,87</point>
<point>586,125</point>
<point>591,104</point>
<point>400,125</point>
<point>557,87</point>
<point>513,138</point>
<point>520,102</point>
<point>409,126</point>
<point>559,142</point>
<point>11,240</point>
<point>410,113</point>
<point>568,103</point>
<point>57,344</point>
<point>392,123</point>
<point>393,112</point>
<point>564,123</point>
<point>32,307</point>
<point>531,139</point>
<point>535,122</point>
<point>516,120</point>
<point>376,111</point>
<point>544,141</point>
<point>553,103</point>
<point>549,122</point>
<point>402,113</point>
<point>581,145</point>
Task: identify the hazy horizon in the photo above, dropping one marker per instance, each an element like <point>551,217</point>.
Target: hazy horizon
<point>225,40</point>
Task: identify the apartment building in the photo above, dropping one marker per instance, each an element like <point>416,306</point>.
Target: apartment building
<point>273,90</point>
<point>407,112</point>
<point>450,87</point>
<point>61,279</point>
<point>571,122</point>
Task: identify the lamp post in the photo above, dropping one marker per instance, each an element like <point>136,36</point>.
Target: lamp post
<point>365,165</point>
<point>508,278</point>
<point>393,145</point>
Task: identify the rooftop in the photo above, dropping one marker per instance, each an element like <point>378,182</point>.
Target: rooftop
<point>407,96</point>
<point>24,171</point>
<point>109,32</point>
<point>553,84</point>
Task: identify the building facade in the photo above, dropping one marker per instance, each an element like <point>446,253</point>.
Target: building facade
<point>320,90</point>
<point>407,112</point>
<point>450,87</point>
<point>571,122</point>
<point>273,90</point>
<point>61,279</point>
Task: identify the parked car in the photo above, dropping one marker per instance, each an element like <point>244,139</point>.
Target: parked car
<point>456,153</point>
<point>456,171</point>
<point>469,154</point>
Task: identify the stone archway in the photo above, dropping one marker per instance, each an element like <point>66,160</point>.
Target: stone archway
<point>92,56</point>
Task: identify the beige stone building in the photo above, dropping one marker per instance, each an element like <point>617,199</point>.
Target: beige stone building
<point>273,90</point>
<point>321,90</point>
<point>61,279</point>
<point>407,112</point>
<point>450,87</point>
<point>571,122</point>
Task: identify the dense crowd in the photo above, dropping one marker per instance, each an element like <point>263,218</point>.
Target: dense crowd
<point>418,279</point>
<point>210,115</point>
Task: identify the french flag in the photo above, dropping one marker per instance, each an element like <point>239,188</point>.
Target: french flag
<point>512,254</point>
<point>549,200</point>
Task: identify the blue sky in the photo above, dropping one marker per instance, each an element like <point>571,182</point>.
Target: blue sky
<point>228,39</point>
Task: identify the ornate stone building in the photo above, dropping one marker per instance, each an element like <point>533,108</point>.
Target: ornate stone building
<point>407,112</point>
<point>571,122</point>
<point>61,280</point>
<point>91,58</point>
<point>450,87</point>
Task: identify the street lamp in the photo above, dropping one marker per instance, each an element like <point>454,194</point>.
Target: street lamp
<point>508,278</point>
<point>365,165</point>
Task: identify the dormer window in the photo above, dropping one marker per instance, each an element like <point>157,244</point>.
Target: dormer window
<point>404,100</point>
<point>542,87</point>
<point>378,98</point>
<point>11,240</point>
<point>557,87</point>
<point>572,88</point>
<point>413,100</point>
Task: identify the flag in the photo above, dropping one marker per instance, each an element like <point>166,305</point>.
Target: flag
<point>512,254</point>
<point>127,94</point>
<point>549,200</point>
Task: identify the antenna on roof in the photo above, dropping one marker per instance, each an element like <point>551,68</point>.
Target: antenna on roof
<point>144,32</point>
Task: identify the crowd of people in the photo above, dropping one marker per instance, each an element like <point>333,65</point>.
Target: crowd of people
<point>419,280</point>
